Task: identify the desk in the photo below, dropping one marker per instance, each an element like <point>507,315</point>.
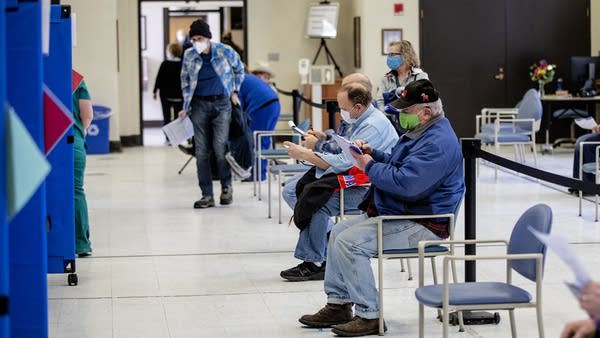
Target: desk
<point>566,102</point>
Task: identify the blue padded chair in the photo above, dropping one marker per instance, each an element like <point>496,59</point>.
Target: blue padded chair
<point>512,126</point>
<point>273,153</point>
<point>524,254</point>
<point>282,171</point>
<point>431,251</point>
<point>589,168</point>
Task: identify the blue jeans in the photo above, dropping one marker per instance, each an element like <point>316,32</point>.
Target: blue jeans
<point>211,121</point>
<point>589,155</point>
<point>348,276</point>
<point>289,190</point>
<point>312,241</point>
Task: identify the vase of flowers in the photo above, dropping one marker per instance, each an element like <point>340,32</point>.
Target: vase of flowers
<point>542,72</point>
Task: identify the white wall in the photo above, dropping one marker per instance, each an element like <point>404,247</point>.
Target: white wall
<point>275,26</point>
<point>375,16</point>
<point>128,83</point>
<point>279,27</point>
<point>95,54</point>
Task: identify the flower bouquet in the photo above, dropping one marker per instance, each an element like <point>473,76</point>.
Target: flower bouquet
<point>542,72</point>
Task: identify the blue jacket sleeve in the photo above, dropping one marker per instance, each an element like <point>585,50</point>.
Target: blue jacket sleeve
<point>186,89</point>
<point>415,177</point>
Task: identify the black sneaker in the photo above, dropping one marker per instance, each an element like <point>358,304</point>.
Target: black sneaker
<point>226,196</point>
<point>303,272</point>
<point>84,254</point>
<point>204,202</point>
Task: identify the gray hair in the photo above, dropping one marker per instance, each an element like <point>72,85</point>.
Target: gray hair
<point>436,107</point>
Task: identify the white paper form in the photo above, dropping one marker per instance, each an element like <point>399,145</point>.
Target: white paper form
<point>586,123</point>
<point>179,130</point>
<point>565,252</point>
<point>345,145</point>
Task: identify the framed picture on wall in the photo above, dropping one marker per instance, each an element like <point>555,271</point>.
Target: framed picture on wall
<point>389,35</point>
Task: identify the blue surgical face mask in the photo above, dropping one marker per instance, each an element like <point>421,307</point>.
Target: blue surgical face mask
<point>394,61</point>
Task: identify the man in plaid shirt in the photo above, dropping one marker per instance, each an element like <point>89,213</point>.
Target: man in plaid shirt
<point>211,76</point>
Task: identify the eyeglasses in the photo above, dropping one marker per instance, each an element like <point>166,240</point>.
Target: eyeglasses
<point>394,54</point>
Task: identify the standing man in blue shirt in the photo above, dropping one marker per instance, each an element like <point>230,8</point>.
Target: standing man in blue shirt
<point>211,76</point>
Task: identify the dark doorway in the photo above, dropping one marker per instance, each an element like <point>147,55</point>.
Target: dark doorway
<point>478,52</point>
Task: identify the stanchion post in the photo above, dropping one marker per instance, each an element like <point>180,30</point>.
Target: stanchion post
<point>296,101</point>
<point>332,108</point>
<point>470,146</point>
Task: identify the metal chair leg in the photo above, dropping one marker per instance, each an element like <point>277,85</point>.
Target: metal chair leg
<point>185,165</point>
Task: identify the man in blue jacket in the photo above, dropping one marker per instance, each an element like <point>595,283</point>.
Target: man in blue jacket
<point>422,175</point>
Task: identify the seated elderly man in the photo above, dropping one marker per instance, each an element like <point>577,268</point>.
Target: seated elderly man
<point>317,199</point>
<point>423,175</point>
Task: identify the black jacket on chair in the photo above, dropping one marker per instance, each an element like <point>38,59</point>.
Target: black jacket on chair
<point>312,194</point>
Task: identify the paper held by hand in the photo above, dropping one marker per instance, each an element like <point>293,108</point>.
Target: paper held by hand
<point>586,123</point>
<point>179,130</point>
<point>565,252</point>
<point>347,146</point>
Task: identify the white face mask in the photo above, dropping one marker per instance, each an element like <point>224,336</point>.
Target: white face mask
<point>200,46</point>
<point>346,116</point>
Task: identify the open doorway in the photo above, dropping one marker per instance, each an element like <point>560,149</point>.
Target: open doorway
<point>164,22</point>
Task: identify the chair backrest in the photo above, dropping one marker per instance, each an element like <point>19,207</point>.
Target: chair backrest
<point>523,241</point>
<point>530,107</point>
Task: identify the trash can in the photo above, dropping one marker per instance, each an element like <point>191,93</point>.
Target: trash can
<point>98,132</point>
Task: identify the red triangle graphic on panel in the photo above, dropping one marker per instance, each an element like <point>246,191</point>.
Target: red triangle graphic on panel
<point>76,79</point>
<point>57,120</point>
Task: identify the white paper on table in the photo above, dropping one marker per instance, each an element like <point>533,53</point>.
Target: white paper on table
<point>586,123</point>
<point>566,253</point>
<point>179,130</point>
<point>345,145</point>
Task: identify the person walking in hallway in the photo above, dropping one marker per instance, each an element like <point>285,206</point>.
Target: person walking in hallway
<point>211,76</point>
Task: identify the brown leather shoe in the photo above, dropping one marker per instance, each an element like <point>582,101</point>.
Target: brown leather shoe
<point>358,327</point>
<point>331,314</point>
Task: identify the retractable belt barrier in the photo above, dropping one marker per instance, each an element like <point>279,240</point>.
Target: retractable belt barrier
<point>471,151</point>
<point>575,184</point>
<point>297,100</point>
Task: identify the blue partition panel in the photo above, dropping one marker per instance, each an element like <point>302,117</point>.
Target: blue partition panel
<point>3,225</point>
<point>59,183</point>
<point>27,230</point>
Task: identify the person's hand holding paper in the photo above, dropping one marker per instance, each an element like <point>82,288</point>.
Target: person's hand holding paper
<point>566,253</point>
<point>365,157</point>
<point>589,299</point>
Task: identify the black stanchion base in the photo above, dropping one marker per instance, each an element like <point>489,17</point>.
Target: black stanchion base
<point>475,318</point>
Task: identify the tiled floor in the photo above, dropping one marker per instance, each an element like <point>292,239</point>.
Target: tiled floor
<point>162,269</point>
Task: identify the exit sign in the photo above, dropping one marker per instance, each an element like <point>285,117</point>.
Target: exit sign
<point>399,9</point>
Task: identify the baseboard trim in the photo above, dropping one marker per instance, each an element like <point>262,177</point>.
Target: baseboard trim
<point>115,147</point>
<point>153,124</point>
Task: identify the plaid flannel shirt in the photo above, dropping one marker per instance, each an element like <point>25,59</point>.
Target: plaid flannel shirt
<point>226,63</point>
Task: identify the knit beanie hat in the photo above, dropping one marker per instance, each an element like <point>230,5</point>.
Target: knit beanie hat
<point>200,27</point>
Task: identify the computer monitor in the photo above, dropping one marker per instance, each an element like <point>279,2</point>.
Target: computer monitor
<point>584,71</point>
